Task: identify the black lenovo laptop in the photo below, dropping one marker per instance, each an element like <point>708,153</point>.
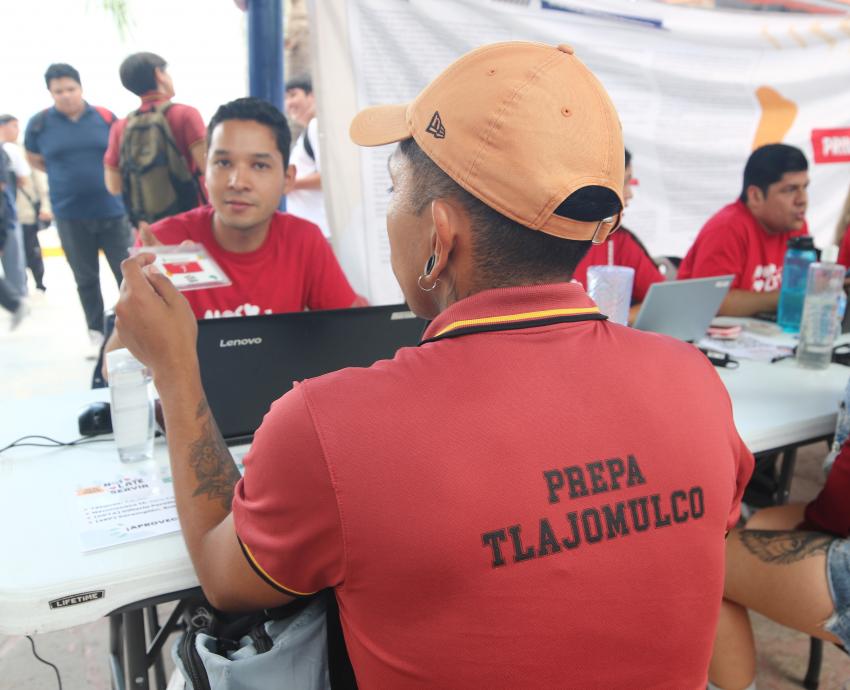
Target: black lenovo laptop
<point>249,362</point>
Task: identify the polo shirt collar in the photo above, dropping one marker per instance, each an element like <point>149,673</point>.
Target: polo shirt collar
<point>514,307</point>
<point>154,97</point>
<point>86,110</point>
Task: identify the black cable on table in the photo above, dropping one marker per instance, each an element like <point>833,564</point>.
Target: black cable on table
<point>53,442</point>
<point>44,661</point>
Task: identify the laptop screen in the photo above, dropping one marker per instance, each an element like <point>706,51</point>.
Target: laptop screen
<point>682,308</point>
<point>249,362</point>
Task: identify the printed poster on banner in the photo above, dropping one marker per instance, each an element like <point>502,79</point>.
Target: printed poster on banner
<point>696,90</point>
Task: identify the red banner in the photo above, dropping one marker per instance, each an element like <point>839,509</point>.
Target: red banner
<point>831,145</point>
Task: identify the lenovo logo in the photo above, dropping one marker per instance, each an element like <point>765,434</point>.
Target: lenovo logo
<point>239,342</point>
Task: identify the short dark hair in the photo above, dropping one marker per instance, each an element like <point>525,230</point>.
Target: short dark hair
<point>256,110</point>
<point>138,72</point>
<point>302,81</point>
<point>6,118</point>
<point>506,252</point>
<point>767,164</point>
<point>58,70</point>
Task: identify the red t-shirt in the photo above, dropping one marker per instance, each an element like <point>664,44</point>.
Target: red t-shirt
<point>844,250</point>
<point>830,510</point>
<point>536,507</point>
<point>626,252</point>
<point>186,125</point>
<point>294,269</point>
<point>733,242</point>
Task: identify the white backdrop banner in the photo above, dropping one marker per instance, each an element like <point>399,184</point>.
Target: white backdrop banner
<point>696,90</point>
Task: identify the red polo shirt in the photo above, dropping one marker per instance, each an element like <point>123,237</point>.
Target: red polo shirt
<point>529,499</point>
<point>830,510</point>
<point>293,270</point>
<point>187,128</point>
<point>844,250</point>
<point>733,242</point>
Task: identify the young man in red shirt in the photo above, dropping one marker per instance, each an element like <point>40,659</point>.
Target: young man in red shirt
<point>275,261</point>
<point>490,508</point>
<point>145,75</point>
<point>749,237</point>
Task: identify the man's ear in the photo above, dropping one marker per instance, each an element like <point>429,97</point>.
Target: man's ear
<point>754,194</point>
<point>289,178</point>
<point>159,76</point>
<point>451,222</point>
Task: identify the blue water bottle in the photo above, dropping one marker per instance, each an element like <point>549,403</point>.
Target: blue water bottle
<point>801,252</point>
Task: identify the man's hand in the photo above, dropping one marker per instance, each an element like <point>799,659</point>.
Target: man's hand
<point>149,239</point>
<point>146,236</point>
<point>155,321</point>
<point>45,216</point>
<point>36,160</point>
<point>747,303</point>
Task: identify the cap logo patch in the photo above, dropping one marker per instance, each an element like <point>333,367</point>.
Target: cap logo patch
<point>435,127</point>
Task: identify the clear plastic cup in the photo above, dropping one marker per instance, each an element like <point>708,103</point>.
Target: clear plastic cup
<point>821,321</point>
<point>132,406</point>
<point>611,288</point>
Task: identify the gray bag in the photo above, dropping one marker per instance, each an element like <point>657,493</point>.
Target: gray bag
<point>285,648</point>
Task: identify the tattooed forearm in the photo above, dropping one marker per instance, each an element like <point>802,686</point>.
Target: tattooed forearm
<point>784,548</point>
<point>210,458</point>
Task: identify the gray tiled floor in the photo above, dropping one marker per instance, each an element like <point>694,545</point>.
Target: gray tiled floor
<point>47,354</point>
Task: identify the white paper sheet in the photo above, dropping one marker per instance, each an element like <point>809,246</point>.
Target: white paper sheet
<point>131,505</point>
<point>749,346</point>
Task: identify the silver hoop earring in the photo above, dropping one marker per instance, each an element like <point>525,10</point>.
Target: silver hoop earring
<point>424,289</point>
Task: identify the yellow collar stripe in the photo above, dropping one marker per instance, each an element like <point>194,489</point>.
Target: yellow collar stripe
<point>512,318</point>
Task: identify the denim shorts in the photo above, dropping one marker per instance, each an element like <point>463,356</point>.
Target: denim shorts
<point>838,575</point>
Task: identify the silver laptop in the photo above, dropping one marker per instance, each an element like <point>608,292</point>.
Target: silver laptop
<point>682,308</point>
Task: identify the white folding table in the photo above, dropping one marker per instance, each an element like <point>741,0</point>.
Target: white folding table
<point>47,583</point>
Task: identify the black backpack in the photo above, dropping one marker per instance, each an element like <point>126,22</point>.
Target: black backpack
<point>156,181</point>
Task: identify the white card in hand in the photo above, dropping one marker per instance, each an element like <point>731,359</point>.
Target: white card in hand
<point>187,266</point>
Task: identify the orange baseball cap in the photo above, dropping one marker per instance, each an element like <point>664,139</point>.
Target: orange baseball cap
<point>520,126</point>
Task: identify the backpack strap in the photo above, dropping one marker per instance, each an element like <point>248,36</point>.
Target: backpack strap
<point>308,147</point>
<point>35,203</point>
<point>199,173</point>
<point>38,122</point>
<point>107,115</point>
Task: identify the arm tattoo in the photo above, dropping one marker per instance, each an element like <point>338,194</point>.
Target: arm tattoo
<point>784,548</point>
<point>214,467</point>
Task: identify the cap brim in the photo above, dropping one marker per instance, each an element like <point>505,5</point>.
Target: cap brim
<point>379,125</point>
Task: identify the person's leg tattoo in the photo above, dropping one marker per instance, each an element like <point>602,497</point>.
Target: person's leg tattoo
<point>784,548</point>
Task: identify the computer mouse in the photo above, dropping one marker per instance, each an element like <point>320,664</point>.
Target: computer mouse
<point>95,419</point>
